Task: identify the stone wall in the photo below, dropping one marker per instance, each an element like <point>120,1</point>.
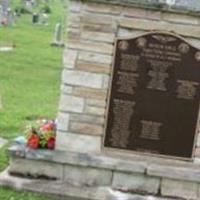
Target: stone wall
<point>92,29</point>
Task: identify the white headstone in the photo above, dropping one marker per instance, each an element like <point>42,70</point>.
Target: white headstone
<point>58,35</point>
<point>44,18</point>
<point>58,32</point>
<point>10,17</point>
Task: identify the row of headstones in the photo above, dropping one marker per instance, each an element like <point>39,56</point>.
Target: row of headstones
<point>8,16</point>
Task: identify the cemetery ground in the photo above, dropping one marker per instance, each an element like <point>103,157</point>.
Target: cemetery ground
<point>29,81</point>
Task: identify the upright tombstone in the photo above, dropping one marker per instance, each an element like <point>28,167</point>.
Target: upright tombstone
<point>44,19</point>
<point>10,17</point>
<point>35,18</point>
<point>155,95</point>
<point>58,36</point>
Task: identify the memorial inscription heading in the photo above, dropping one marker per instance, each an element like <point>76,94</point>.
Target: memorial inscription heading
<point>154,96</point>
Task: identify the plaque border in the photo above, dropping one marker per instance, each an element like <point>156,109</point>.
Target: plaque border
<point>116,150</point>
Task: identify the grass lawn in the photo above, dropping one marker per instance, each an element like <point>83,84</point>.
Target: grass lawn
<point>29,79</point>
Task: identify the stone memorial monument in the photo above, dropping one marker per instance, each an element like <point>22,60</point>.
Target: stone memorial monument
<point>128,119</point>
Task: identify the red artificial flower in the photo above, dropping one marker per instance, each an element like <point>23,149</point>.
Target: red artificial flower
<point>34,141</point>
<point>51,143</point>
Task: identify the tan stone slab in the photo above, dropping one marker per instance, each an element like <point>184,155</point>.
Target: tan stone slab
<point>74,18</point>
<point>134,12</point>
<point>125,32</point>
<point>197,152</point>
<point>96,68</point>
<point>141,13</point>
<point>37,168</point>
<point>81,78</point>
<point>97,103</point>
<point>106,81</point>
<point>87,176</point>
<point>69,58</point>
<point>103,8</point>
<point>90,93</point>
<point>103,28</point>
<point>92,110</point>
<point>186,30</point>
<point>70,103</point>
<point>93,18</point>
<point>73,33</point>
<point>180,18</point>
<point>78,143</point>
<point>75,6</point>
<point>174,172</point>
<point>66,89</point>
<point>86,128</point>
<point>91,46</point>
<point>98,36</point>
<point>95,58</point>
<point>135,182</point>
<point>87,118</point>
<point>185,190</point>
<point>63,121</point>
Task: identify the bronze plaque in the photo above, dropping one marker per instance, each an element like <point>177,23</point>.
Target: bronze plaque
<point>154,96</point>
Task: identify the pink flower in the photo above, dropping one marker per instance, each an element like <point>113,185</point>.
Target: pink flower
<point>47,127</point>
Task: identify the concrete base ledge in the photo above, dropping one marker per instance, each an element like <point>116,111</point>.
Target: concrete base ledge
<point>69,192</point>
<point>131,174</point>
<point>152,166</point>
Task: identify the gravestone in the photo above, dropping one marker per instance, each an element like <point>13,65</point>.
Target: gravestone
<point>44,19</point>
<point>10,17</point>
<point>154,100</point>
<point>35,18</point>
<point>58,36</point>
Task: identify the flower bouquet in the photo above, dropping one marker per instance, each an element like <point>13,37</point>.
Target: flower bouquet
<point>41,134</point>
